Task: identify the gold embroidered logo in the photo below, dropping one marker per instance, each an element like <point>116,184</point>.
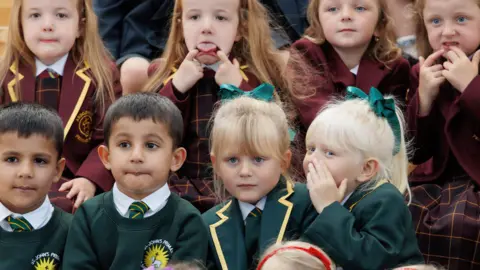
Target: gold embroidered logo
<point>157,254</point>
<point>476,137</point>
<point>46,261</point>
<point>85,129</point>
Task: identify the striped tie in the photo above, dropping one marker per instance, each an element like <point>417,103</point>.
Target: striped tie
<point>19,224</point>
<point>137,210</point>
<point>252,232</point>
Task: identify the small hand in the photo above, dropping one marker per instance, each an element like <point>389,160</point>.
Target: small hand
<point>188,74</point>
<point>459,70</point>
<point>228,72</point>
<point>82,188</point>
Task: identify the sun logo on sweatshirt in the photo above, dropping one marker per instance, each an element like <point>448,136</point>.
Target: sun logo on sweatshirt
<point>157,256</point>
<point>45,264</point>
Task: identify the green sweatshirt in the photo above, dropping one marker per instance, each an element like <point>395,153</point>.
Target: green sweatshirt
<point>37,249</point>
<point>100,238</point>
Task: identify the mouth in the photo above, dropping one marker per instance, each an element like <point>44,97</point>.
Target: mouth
<point>346,30</point>
<point>207,48</point>
<point>136,173</point>
<point>246,186</point>
<point>48,40</point>
<point>450,44</point>
<point>24,188</point>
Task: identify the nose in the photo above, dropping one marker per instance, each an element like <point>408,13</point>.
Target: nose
<point>448,29</point>
<point>26,170</point>
<point>47,24</point>
<point>137,155</point>
<point>207,26</point>
<point>346,14</point>
<point>245,170</point>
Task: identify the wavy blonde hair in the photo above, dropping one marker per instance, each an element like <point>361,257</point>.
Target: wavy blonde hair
<point>294,259</point>
<point>254,49</point>
<point>353,127</point>
<point>252,127</point>
<point>88,47</point>
<point>384,50</point>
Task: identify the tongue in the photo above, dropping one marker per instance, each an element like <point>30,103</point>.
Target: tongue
<point>207,48</point>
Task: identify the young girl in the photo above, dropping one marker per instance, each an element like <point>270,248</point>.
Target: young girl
<point>55,57</point>
<point>353,44</point>
<point>356,166</point>
<point>295,255</point>
<point>444,118</point>
<point>250,156</point>
<point>213,42</point>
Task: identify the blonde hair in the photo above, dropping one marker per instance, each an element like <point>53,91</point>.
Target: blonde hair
<point>352,126</point>
<point>384,50</point>
<point>256,128</point>
<point>292,259</point>
<point>87,48</point>
<point>255,48</point>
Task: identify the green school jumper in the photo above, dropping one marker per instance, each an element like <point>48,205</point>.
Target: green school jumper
<point>372,230</point>
<point>100,238</point>
<point>288,215</point>
<point>37,249</point>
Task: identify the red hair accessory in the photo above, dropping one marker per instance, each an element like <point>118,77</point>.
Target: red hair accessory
<point>312,251</point>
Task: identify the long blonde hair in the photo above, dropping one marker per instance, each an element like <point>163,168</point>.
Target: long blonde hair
<point>352,126</point>
<point>257,128</point>
<point>383,50</point>
<point>255,48</point>
<point>88,47</point>
<point>292,259</point>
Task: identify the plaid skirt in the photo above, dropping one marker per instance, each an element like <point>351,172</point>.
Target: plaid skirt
<point>447,222</point>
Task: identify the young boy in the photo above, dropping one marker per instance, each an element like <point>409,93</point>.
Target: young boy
<point>32,231</point>
<point>139,223</point>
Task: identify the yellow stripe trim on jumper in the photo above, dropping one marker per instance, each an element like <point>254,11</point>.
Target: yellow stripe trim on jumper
<point>216,241</point>
<point>283,200</point>
<point>381,182</point>
<point>11,84</point>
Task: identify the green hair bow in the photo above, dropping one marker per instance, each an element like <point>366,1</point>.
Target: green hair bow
<point>262,92</point>
<point>382,107</point>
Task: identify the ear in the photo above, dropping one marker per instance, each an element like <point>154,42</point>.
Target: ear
<point>60,168</point>
<point>104,155</point>
<point>287,158</point>
<point>178,158</point>
<point>369,170</point>
<point>213,159</point>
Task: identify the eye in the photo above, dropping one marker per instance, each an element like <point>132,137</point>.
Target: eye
<point>34,15</point>
<point>311,149</point>
<point>221,18</point>
<point>435,21</point>
<point>360,8</point>
<point>194,17</point>
<point>461,19</point>
<point>151,145</point>
<point>124,145</point>
<point>40,161</point>
<point>258,160</point>
<point>332,9</point>
<point>329,153</point>
<point>232,160</point>
<point>62,15</point>
<point>11,159</point>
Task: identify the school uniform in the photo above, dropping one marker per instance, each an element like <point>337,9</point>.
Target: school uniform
<point>371,230</point>
<point>33,240</point>
<point>335,77</point>
<point>194,181</point>
<point>286,214</point>
<point>446,199</point>
<point>113,231</point>
<point>71,92</point>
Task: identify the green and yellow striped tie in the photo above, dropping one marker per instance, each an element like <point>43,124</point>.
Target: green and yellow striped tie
<point>137,210</point>
<point>19,224</point>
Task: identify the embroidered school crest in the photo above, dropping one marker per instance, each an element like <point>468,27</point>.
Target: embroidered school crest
<point>157,254</point>
<point>84,121</point>
<point>46,261</point>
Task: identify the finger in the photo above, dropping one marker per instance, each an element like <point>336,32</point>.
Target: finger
<point>433,57</point>
<point>476,58</point>
<point>447,65</point>
<point>452,56</point>
<point>66,186</point>
<point>236,63</point>
<point>435,68</point>
<point>343,188</point>
<point>311,171</point>
<point>72,193</point>
<point>438,74</point>
<point>458,52</point>
<point>191,55</point>
<point>223,57</point>
<point>421,61</point>
<point>309,181</point>
<point>80,199</point>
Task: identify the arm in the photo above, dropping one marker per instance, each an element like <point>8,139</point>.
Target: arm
<point>192,243</point>
<point>470,98</point>
<point>384,224</point>
<point>79,251</point>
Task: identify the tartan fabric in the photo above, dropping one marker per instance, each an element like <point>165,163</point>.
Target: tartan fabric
<point>48,89</point>
<point>447,222</point>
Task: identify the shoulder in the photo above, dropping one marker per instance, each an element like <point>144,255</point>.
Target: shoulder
<point>93,206</point>
<point>212,215</point>
<point>305,44</point>
<point>183,206</point>
<point>385,199</point>
<point>64,218</point>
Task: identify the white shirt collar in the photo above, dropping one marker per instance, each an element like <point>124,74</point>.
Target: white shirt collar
<point>58,66</point>
<point>346,198</point>
<point>354,70</point>
<point>38,218</point>
<point>155,201</point>
<point>246,208</point>
<point>213,67</point>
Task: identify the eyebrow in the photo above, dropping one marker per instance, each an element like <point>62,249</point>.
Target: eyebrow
<point>15,153</point>
<point>149,135</point>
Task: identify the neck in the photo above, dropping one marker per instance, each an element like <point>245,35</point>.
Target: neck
<point>351,56</point>
<point>49,61</point>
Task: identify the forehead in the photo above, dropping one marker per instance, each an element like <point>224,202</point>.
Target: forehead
<point>225,5</point>
<point>41,4</point>
<point>450,6</point>
<point>128,126</point>
<point>33,144</point>
<point>352,2</point>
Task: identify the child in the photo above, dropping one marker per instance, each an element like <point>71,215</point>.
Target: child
<point>32,231</point>
<point>139,223</point>
<point>251,157</point>
<point>444,118</point>
<point>211,43</point>
<point>55,57</point>
<point>295,255</point>
<point>356,166</point>
<point>353,44</point>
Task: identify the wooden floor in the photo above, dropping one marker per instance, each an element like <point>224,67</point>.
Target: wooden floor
<point>5,6</point>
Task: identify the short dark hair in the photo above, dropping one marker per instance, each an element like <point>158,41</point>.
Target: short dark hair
<point>141,106</point>
<point>28,119</point>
